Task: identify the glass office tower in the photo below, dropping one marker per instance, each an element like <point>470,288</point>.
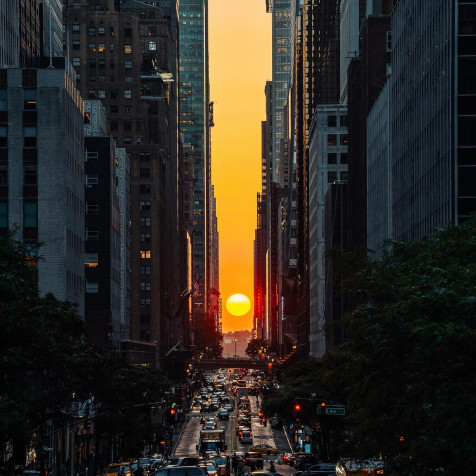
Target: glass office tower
<point>193,127</point>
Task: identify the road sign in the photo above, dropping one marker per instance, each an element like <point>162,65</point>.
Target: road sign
<point>340,411</point>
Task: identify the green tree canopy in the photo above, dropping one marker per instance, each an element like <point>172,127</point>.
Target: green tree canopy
<point>46,362</point>
<point>255,345</point>
<point>405,370</point>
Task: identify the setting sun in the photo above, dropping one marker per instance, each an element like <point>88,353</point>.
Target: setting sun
<point>238,305</point>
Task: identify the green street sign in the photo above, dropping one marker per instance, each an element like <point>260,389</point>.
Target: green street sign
<point>339,411</point>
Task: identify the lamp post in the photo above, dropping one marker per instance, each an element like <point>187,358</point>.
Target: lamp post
<point>235,348</point>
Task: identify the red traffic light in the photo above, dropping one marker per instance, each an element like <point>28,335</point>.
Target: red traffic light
<point>173,411</point>
<point>297,407</point>
<point>323,404</point>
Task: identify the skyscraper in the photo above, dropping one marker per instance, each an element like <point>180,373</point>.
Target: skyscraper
<point>193,127</point>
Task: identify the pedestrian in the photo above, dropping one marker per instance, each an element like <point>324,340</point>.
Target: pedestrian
<point>121,472</point>
<point>272,469</point>
<point>234,462</point>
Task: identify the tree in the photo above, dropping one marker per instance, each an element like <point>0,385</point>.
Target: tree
<point>256,347</point>
<point>406,364</point>
<point>404,372</point>
<point>46,363</point>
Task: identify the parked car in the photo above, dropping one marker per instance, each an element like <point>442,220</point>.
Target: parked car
<point>265,448</point>
<point>320,469</point>
<point>253,460</point>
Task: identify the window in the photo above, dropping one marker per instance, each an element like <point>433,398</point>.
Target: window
<point>344,175</point>
<point>91,260</point>
<point>144,173</point>
<point>111,46</point>
<point>128,64</point>
<point>145,221</point>
<point>92,286</point>
<point>78,78</point>
<point>331,177</point>
<point>92,63</point>
<point>343,121</point>
<point>145,286</point>
<point>91,94</point>
<point>92,31</point>
<point>145,188</point>
<point>144,156</point>
<point>343,159</point>
<point>101,47</point>
<point>102,77</point>
<point>76,28</point>
<point>127,140</point>
<point>3,214</point>
<point>144,302</point>
<point>145,205</point>
<point>388,41</point>
<point>114,125</point>
<point>30,214</point>
<point>111,31</point>
<point>92,77</point>
<point>331,121</point>
<point>344,139</point>
<point>30,174</point>
<point>101,31</point>
<point>102,94</point>
<point>332,158</point>
<point>139,127</point>
<point>128,79</point>
<point>127,49</point>
<point>3,136</point>
<point>145,254</point>
<point>127,93</point>
<point>76,45</point>
<point>111,63</point>
<point>3,100</point>
<point>101,63</point>
<point>3,175</point>
<point>145,237</point>
<point>29,99</point>
<point>114,109</point>
<point>145,269</point>
<point>152,46</point>
<point>92,233</point>
<point>76,61</point>
<point>92,180</point>
<point>92,47</point>
<point>92,207</point>
<point>127,109</point>
<point>91,155</point>
<point>331,139</point>
<point>114,93</point>
<point>29,136</point>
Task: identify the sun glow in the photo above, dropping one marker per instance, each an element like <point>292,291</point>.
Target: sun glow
<point>238,305</point>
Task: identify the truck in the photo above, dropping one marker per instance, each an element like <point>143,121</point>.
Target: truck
<point>211,442</point>
<point>241,391</point>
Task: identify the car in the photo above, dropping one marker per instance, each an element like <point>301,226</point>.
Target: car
<point>181,471</point>
<point>246,436</point>
<point>205,407</point>
<point>221,462</point>
<point>304,461</point>
<point>321,469</point>
<point>115,469</point>
<point>223,414</point>
<point>262,473</point>
<point>253,460</point>
<point>289,458</point>
<point>183,461</point>
<point>265,448</point>
<point>229,407</point>
<point>209,425</point>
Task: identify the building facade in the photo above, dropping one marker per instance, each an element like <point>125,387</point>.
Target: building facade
<point>42,170</point>
<point>328,159</point>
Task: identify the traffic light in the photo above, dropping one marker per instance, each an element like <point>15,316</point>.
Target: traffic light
<point>297,407</point>
<point>173,412</point>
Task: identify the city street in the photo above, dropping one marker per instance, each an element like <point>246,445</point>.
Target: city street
<point>190,433</point>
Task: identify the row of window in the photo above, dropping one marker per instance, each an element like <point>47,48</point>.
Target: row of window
<point>30,174</point>
<point>101,94</point>
<point>335,139</point>
<point>101,63</point>
<point>92,287</point>
<point>30,214</point>
<point>101,47</point>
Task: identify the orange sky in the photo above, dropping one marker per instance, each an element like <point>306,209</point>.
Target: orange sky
<point>240,65</point>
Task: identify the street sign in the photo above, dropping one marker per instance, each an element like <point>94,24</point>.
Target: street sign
<point>340,411</point>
